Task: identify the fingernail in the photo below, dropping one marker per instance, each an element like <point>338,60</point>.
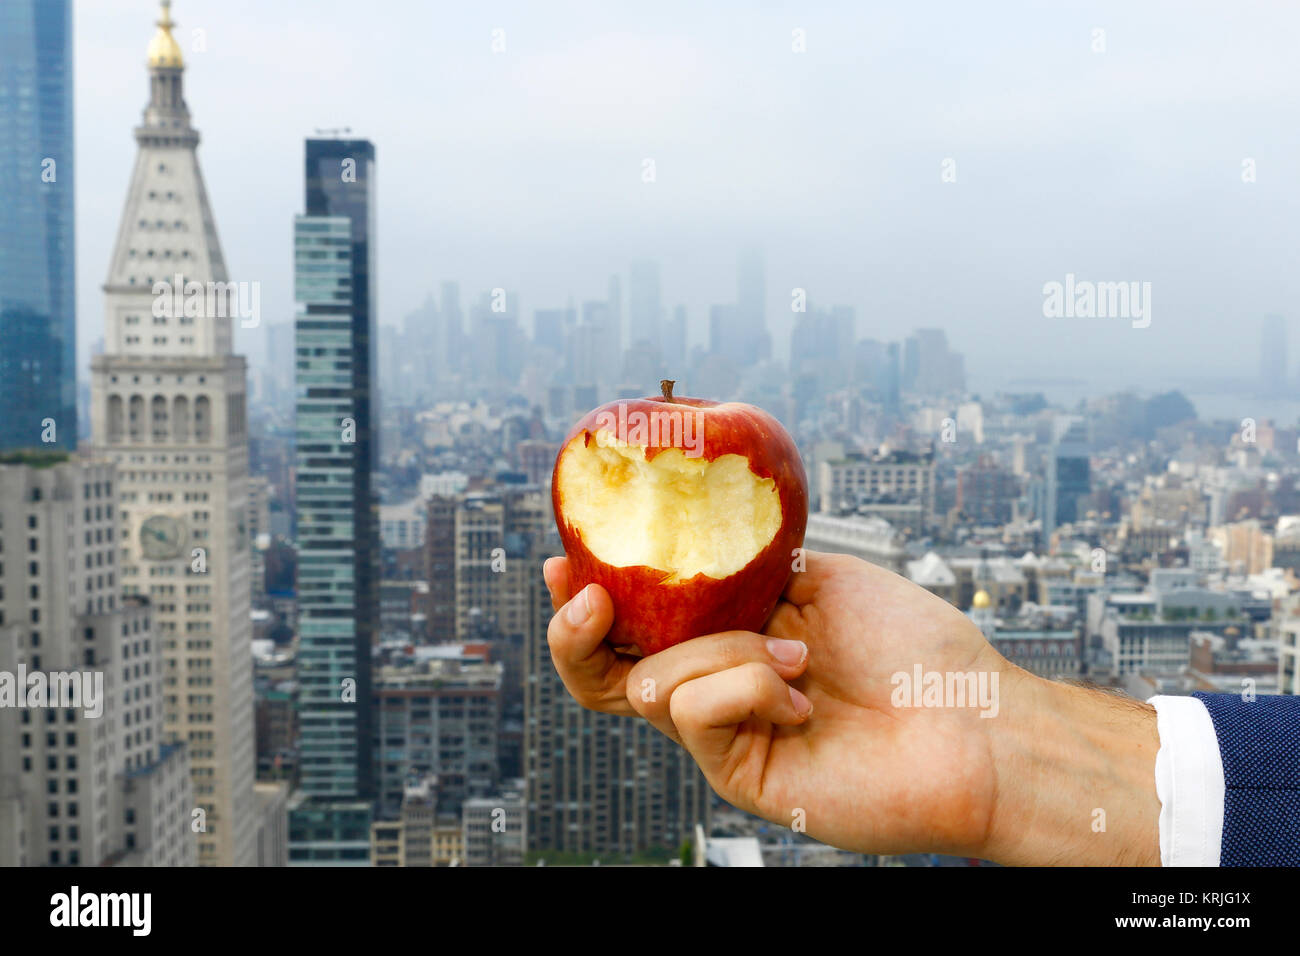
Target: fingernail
<point>802,705</point>
<point>787,652</point>
<point>579,608</point>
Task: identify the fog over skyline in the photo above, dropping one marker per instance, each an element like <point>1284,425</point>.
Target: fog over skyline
<point>523,169</point>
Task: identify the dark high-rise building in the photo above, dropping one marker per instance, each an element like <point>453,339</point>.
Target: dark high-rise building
<point>340,183</point>
<point>1069,475</point>
<point>338,540</point>
<point>38,325</point>
<point>440,568</point>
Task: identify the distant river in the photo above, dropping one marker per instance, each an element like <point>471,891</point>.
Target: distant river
<point>1232,402</point>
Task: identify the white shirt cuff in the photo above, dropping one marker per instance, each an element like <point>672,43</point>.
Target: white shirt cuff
<point>1189,783</point>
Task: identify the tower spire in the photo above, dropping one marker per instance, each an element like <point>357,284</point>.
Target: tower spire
<point>185,373</point>
<point>164,51</point>
<point>166,110</point>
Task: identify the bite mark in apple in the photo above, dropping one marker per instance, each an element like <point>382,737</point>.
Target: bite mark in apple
<point>687,541</point>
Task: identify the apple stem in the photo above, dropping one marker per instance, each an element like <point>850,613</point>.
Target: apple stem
<point>666,386</point>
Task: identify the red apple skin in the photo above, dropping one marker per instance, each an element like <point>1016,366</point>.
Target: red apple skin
<point>653,614</point>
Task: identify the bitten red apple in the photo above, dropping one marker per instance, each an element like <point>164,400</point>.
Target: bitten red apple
<point>688,512</point>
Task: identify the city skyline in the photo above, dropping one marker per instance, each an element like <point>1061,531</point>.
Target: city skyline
<point>853,210</point>
<point>357,582</point>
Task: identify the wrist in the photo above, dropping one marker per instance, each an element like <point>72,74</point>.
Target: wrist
<point>1075,773</point>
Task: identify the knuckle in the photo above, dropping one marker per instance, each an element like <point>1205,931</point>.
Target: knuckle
<point>643,693</point>
<point>682,705</point>
<point>559,635</point>
<point>727,652</point>
<point>640,671</point>
<point>759,680</point>
<point>734,649</point>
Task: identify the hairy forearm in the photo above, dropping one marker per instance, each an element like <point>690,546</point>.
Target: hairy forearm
<point>1076,777</point>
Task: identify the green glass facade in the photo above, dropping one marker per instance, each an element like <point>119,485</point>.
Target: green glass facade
<point>336,514</point>
<point>330,702</point>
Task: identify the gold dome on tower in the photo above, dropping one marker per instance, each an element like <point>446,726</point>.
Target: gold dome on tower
<point>981,599</point>
<point>163,48</point>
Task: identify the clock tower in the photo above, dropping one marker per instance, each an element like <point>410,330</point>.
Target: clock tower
<point>168,406</point>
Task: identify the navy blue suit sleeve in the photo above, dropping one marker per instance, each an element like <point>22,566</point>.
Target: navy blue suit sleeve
<point>1259,741</point>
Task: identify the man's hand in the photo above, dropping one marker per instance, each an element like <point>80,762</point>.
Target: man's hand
<point>798,725</point>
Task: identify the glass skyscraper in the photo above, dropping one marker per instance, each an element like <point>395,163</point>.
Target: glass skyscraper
<point>38,325</point>
<point>1068,473</point>
<point>337,526</point>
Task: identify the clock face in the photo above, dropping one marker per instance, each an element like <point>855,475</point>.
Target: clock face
<point>161,537</point>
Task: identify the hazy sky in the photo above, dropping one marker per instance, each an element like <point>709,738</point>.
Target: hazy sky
<point>523,169</point>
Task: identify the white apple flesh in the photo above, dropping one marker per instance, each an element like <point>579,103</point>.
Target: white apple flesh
<point>688,540</point>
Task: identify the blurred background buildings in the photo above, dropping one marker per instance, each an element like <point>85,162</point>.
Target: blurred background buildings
<point>313,580</point>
